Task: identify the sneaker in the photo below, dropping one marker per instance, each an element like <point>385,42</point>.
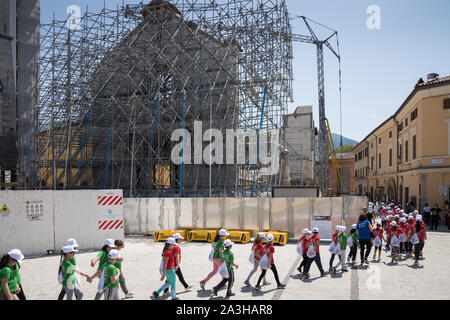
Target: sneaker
<point>281,286</point>
<point>129,295</point>
<point>231,294</point>
<point>189,287</point>
<point>202,285</point>
<point>344,270</point>
<point>154,296</point>
<point>247,283</point>
<point>306,276</point>
<point>215,291</point>
<point>258,287</point>
<point>323,274</point>
<point>299,269</point>
<point>366,261</point>
<point>333,270</point>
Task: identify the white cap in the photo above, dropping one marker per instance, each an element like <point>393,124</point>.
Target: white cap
<point>73,243</point>
<point>354,226</point>
<point>17,255</point>
<point>110,243</point>
<point>228,243</point>
<point>306,231</point>
<point>315,230</point>
<point>338,228</point>
<point>419,217</point>
<point>410,217</point>
<point>177,236</point>
<point>223,232</point>
<point>269,237</point>
<point>378,223</point>
<point>393,223</point>
<point>402,211</point>
<point>403,219</point>
<point>416,211</point>
<point>113,254</point>
<point>68,249</point>
<point>396,216</point>
<point>262,235</point>
<point>170,240</point>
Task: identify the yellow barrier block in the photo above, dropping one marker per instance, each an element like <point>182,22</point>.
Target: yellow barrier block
<point>239,236</point>
<point>280,238</point>
<point>201,235</point>
<point>162,235</point>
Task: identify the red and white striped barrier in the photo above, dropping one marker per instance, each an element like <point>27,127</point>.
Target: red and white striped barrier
<point>110,201</point>
<point>110,224</point>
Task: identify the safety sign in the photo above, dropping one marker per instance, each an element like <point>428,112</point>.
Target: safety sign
<point>4,211</point>
<point>34,210</point>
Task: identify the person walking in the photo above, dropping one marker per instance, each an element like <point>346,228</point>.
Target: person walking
<point>9,287</point>
<point>217,259</point>
<point>314,241</point>
<point>73,243</point>
<point>378,240</point>
<point>257,250</point>
<point>119,246</point>
<point>334,243</point>
<point>228,258</point>
<point>112,276</point>
<point>420,230</point>
<point>427,214</point>
<point>342,241</point>
<point>177,255</point>
<point>304,239</point>
<point>167,269</point>
<point>68,270</point>
<point>354,245</point>
<point>364,230</point>
<point>435,217</point>
<point>269,251</point>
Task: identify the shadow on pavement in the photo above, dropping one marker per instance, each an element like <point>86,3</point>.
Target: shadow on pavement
<point>247,289</point>
<point>260,293</point>
<point>204,293</point>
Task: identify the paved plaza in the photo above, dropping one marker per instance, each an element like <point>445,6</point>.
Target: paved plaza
<point>142,256</point>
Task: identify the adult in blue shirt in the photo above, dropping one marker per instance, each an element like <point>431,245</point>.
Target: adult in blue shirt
<point>364,230</point>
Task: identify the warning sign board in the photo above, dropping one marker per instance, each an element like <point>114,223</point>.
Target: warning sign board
<point>34,210</point>
<point>4,211</point>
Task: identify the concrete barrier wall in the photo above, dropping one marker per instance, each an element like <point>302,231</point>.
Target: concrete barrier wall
<point>288,214</point>
<point>59,215</point>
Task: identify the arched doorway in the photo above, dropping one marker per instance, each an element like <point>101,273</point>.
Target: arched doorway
<point>391,189</point>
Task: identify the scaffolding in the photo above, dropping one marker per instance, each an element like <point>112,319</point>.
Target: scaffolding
<point>114,89</point>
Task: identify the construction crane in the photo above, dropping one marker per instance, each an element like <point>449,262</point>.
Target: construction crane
<point>323,147</point>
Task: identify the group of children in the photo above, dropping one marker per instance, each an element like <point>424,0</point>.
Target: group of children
<point>401,233</point>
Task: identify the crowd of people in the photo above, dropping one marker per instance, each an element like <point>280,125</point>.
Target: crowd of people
<point>402,232</point>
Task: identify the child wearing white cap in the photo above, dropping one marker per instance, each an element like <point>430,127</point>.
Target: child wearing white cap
<point>177,254</point>
<point>9,287</point>
<point>168,270</point>
<point>395,234</point>
<point>111,276</point>
<point>228,258</point>
<point>269,251</point>
<point>217,260</point>
<point>377,241</point>
<point>334,243</point>
<point>73,243</point>
<point>102,258</point>
<point>354,247</point>
<point>315,242</point>
<point>257,249</point>
<point>342,241</point>
<point>67,270</point>
<point>304,240</point>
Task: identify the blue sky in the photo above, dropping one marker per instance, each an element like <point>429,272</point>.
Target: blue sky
<point>379,67</point>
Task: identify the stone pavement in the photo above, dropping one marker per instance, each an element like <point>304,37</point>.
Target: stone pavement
<point>379,280</point>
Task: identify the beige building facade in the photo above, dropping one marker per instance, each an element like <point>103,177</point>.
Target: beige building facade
<point>407,157</point>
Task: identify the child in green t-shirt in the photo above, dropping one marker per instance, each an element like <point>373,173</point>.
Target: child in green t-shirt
<point>217,260</point>
<point>228,258</point>
<point>67,269</point>
<point>73,243</point>
<point>9,287</point>
<point>342,241</point>
<point>111,276</point>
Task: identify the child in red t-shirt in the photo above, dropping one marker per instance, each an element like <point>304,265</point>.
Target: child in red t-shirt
<point>304,240</point>
<point>269,251</point>
<point>378,232</point>
<point>257,249</point>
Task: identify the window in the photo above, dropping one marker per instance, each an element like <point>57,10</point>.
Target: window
<point>356,173</point>
<point>400,127</point>
<point>406,122</point>
<point>406,151</point>
<point>356,158</point>
<point>367,171</point>
<point>379,161</point>
<point>371,145</point>
<point>400,154</point>
<point>360,155</point>
<point>414,115</point>
<point>390,157</point>
<point>371,163</point>
<point>390,134</point>
<point>379,140</point>
<point>414,148</point>
<point>447,103</point>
